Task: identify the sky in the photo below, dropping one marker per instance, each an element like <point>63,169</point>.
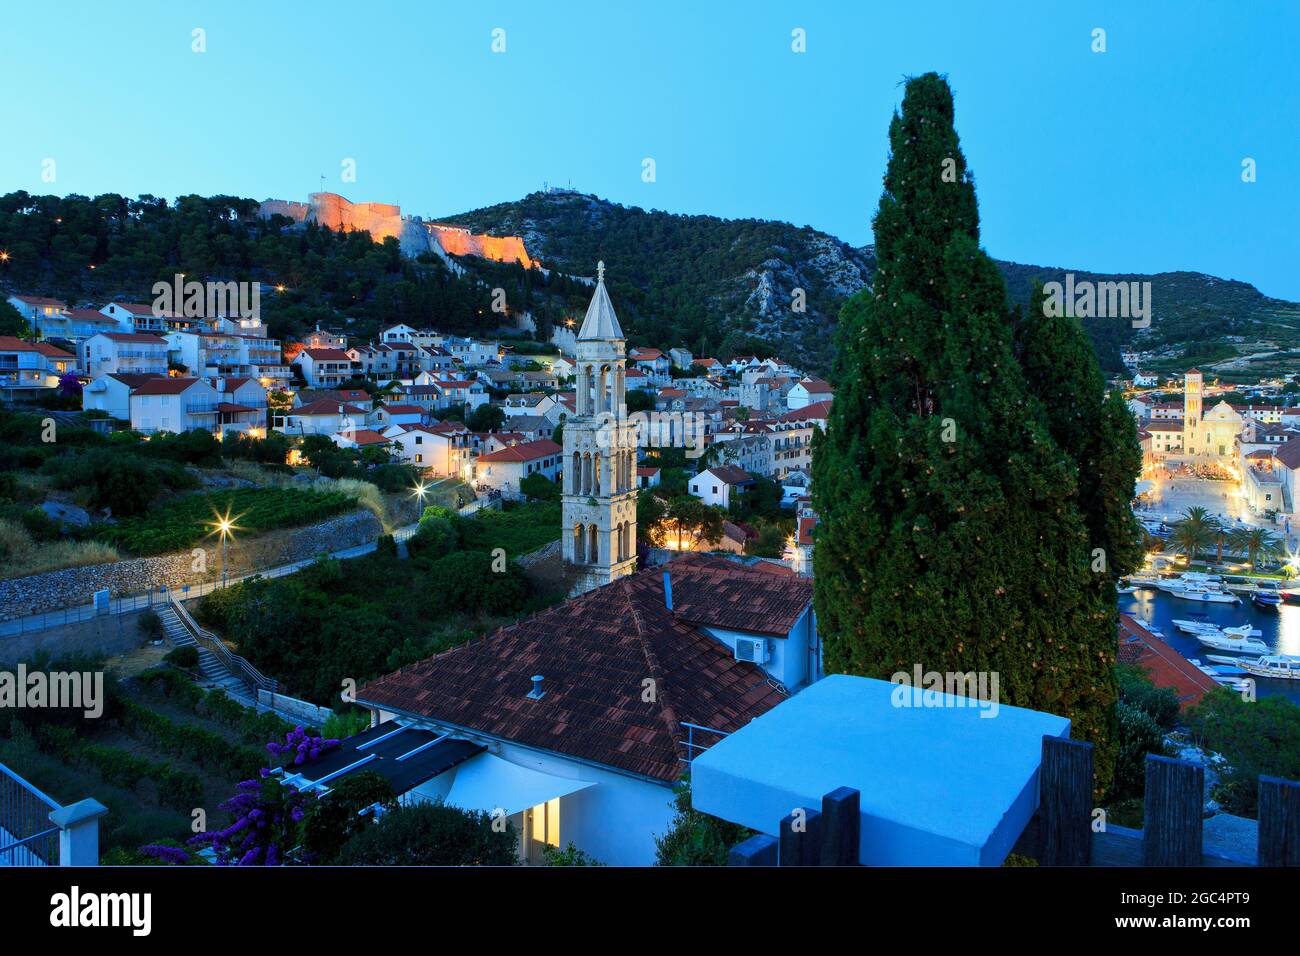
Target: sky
<point>1127,160</point>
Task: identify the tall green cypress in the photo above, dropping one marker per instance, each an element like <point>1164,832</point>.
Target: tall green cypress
<point>951,530</point>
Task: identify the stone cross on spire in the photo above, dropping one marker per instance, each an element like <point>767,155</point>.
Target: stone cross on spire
<point>600,271</point>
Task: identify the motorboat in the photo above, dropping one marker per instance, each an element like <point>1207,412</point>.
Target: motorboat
<point>1266,600</point>
<point>1284,666</point>
<point>1232,643</point>
<point>1229,677</point>
<point>1204,592</point>
<point>1195,627</point>
<point>1242,630</point>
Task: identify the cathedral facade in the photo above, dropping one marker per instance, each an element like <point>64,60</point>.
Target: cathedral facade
<point>599,490</point>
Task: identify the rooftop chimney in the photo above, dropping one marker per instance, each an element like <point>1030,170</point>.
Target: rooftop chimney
<point>668,591</point>
<point>537,693</point>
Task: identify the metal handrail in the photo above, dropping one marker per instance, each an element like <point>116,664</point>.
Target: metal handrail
<point>236,664</point>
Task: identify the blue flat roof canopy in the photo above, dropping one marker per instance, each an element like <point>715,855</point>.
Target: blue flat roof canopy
<point>940,785</point>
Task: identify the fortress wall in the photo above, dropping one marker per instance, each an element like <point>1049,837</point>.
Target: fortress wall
<point>457,242</point>
<point>382,220</point>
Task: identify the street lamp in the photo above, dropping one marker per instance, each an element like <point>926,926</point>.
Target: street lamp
<point>224,526</point>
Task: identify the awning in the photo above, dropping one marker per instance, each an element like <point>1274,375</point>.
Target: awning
<point>486,782</point>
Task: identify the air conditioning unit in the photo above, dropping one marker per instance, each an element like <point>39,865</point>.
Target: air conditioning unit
<point>752,649</point>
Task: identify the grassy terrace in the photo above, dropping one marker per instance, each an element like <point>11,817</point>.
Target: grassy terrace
<point>187,520</point>
<point>162,749</point>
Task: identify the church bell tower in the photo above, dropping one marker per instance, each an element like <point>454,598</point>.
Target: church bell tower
<point>599,493</point>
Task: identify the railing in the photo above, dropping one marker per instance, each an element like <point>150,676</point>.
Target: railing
<point>27,837</point>
<point>208,641</point>
<point>692,746</point>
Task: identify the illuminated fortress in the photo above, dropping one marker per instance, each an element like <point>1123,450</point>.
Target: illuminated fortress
<point>382,220</point>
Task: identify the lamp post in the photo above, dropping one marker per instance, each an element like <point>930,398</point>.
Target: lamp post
<point>224,526</point>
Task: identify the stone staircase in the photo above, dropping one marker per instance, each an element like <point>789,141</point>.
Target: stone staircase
<point>210,666</point>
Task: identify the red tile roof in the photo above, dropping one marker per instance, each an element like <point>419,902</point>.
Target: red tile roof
<point>528,451</point>
<point>594,652</point>
<point>365,436</point>
<point>1165,667</point>
<point>328,355</point>
<point>39,300</point>
<point>731,474</point>
<point>326,406</point>
<point>165,386</point>
<point>133,337</point>
<point>809,411</point>
<point>403,409</point>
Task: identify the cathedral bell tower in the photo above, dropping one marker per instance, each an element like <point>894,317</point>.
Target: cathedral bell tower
<point>599,493</point>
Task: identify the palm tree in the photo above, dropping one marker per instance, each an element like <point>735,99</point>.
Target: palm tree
<point>1195,532</point>
<point>1258,544</point>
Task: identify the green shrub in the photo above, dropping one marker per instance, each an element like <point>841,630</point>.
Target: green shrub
<point>186,658</point>
<point>1159,703</point>
<point>431,834</point>
<point>1139,735</point>
<point>150,625</point>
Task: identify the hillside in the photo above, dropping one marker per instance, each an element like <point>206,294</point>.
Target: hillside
<point>719,286</point>
<point>714,283</point>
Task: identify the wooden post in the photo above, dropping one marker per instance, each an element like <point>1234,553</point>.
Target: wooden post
<point>1172,830</point>
<point>841,822</point>
<point>1065,803</point>
<point>758,850</point>
<point>801,837</point>
<point>1279,822</point>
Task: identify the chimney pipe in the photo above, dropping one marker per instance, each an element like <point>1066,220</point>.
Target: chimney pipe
<point>668,591</point>
<point>537,693</point>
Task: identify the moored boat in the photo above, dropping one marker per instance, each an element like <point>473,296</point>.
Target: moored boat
<point>1232,643</point>
<point>1284,666</point>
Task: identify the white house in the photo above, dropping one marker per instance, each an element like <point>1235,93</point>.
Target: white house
<point>442,449</point>
<point>460,392</point>
<point>324,417</point>
<point>323,368</point>
<point>537,719</point>
<point>715,486</point>
<point>503,470</point>
<point>111,393</point>
<point>30,369</point>
<point>652,362</point>
<point>1145,379</point>
<point>361,438</point>
<point>38,311</point>
<point>535,404</point>
<point>137,317</point>
<point>393,413</point>
<point>681,358</point>
<point>241,402</point>
<point>806,392</point>
<point>130,353</point>
<point>174,405</point>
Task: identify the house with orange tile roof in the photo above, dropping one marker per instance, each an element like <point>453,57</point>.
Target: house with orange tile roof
<point>31,369</point>
<point>588,713</point>
<point>130,353</point>
<point>504,469</point>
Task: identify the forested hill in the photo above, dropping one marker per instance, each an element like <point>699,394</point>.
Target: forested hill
<point>719,286</point>
<point>714,283</point>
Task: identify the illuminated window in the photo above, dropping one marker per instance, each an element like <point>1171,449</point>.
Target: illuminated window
<point>546,822</point>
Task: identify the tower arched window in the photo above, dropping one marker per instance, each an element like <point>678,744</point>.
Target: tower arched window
<point>579,540</point>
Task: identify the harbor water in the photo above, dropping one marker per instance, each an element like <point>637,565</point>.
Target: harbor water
<point>1280,627</point>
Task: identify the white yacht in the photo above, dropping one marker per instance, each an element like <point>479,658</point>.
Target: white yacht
<point>1285,666</point>
<point>1223,641</point>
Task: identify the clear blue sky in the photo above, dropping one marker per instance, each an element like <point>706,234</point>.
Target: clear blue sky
<point>1124,161</point>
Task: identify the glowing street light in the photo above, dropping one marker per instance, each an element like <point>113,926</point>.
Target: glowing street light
<point>225,526</point>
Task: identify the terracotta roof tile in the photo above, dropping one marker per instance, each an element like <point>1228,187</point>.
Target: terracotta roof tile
<point>594,653</point>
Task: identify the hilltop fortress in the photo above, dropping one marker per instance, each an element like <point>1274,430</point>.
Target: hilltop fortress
<point>382,220</point>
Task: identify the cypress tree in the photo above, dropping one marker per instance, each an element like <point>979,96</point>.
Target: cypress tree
<point>951,530</point>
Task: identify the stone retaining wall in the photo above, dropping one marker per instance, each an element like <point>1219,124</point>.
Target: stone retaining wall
<point>73,587</point>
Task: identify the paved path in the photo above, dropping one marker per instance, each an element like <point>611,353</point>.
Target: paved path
<point>140,602</point>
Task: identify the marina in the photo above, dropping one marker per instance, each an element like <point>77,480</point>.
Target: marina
<point>1227,640</point>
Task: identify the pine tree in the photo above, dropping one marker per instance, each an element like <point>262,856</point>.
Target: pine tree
<point>951,530</point>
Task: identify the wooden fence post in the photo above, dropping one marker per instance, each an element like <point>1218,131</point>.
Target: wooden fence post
<point>1279,822</point>
<point>801,839</point>
<point>841,823</point>
<point>758,850</point>
<point>1173,825</point>
<point>1065,803</point>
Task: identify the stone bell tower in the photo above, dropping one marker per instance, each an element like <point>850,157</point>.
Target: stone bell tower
<point>599,494</point>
